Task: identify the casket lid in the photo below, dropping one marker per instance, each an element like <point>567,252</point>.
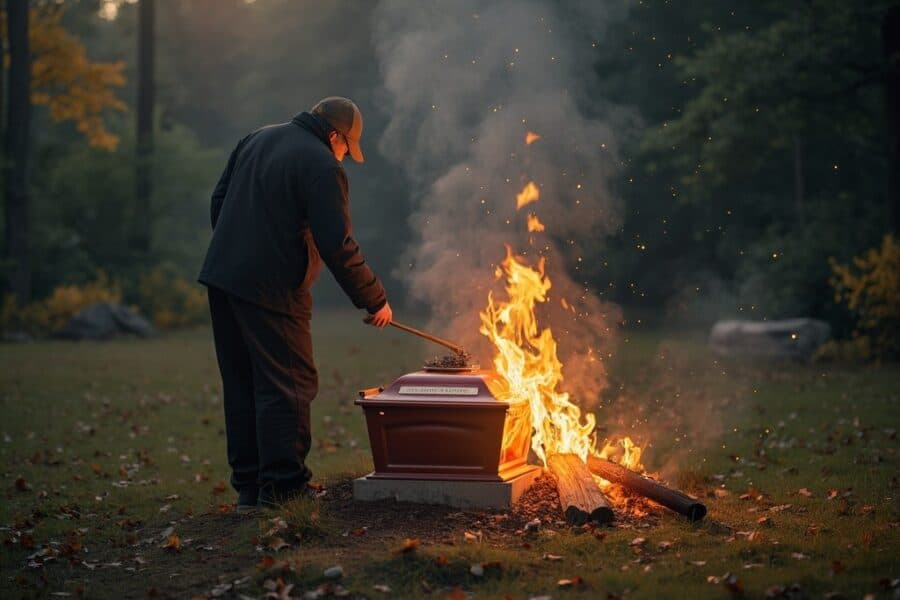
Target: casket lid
<point>433,388</point>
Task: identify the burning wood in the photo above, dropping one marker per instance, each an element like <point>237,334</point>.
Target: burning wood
<point>581,499</point>
<point>674,500</point>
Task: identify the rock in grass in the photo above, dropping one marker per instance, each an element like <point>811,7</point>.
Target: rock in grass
<point>334,572</point>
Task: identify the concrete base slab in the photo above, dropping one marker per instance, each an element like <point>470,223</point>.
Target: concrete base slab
<point>460,494</point>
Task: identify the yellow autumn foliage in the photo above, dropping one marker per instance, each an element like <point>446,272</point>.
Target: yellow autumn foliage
<point>171,300</point>
<point>870,288</point>
<point>65,81</point>
<point>52,313</point>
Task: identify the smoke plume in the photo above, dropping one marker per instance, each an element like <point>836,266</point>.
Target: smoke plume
<point>464,83</point>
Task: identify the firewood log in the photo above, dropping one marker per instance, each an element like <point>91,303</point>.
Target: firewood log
<point>674,500</point>
<point>581,499</point>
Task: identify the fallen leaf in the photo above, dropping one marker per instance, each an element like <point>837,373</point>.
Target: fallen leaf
<point>409,545</point>
<point>477,570</point>
<point>732,583</point>
<point>765,521</point>
<point>380,587</point>
<point>721,493</point>
<point>22,485</point>
<point>573,582</point>
<point>173,543</point>
<point>638,541</point>
<point>552,557</point>
<point>664,545</point>
<point>277,543</point>
<point>219,488</point>
<point>456,593</point>
<point>441,560</point>
<point>804,492</point>
<point>832,494</point>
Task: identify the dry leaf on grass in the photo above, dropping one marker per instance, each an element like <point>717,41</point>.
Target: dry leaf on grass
<point>566,583</point>
<point>732,583</point>
<point>277,543</point>
<point>173,543</point>
<point>409,545</point>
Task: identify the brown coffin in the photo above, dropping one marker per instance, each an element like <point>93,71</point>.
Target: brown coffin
<point>445,426</point>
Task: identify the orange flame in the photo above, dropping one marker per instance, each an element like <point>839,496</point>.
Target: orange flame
<point>534,224</point>
<point>527,361</point>
<point>531,137</point>
<point>530,193</point>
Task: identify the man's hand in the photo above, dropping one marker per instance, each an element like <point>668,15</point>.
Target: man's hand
<point>382,318</point>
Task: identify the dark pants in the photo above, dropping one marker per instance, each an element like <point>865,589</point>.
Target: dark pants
<point>268,382</point>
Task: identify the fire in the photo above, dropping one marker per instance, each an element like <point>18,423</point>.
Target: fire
<point>526,358</point>
<point>530,193</point>
<point>534,224</point>
<point>531,137</point>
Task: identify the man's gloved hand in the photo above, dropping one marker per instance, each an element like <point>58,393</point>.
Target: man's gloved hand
<point>382,318</point>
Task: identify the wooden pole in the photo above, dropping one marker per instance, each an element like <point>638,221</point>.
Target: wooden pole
<point>581,499</point>
<point>683,504</point>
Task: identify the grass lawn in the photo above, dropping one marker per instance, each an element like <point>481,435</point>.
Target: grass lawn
<point>114,482</point>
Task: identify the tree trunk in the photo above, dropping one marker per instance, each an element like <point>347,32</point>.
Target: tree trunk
<point>890,36</point>
<point>581,499</point>
<point>799,181</point>
<point>15,165</point>
<point>146,90</point>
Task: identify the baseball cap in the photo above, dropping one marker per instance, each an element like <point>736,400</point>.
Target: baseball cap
<point>344,116</point>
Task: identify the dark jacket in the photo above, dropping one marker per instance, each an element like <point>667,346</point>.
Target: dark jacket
<point>281,204</point>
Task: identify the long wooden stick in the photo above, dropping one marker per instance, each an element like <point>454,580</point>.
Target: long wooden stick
<point>674,500</point>
<point>429,337</point>
<point>581,499</point>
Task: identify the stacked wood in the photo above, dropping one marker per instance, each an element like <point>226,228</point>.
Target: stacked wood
<point>674,500</point>
<point>581,499</point>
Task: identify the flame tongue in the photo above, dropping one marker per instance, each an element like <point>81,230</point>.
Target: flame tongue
<point>526,359</point>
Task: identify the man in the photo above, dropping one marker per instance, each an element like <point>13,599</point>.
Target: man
<point>281,208</point>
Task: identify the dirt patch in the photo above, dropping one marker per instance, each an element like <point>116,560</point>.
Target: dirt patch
<point>389,520</point>
<point>217,549</point>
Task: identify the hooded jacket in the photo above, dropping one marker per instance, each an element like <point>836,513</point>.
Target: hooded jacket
<point>280,208</point>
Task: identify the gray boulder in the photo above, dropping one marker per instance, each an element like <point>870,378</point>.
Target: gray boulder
<point>795,339</point>
<point>104,320</point>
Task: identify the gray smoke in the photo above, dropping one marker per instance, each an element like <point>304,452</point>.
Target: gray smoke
<point>464,82</point>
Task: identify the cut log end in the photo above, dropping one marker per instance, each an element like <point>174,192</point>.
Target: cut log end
<point>580,498</point>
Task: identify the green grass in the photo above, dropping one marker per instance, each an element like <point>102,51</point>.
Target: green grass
<point>78,418</point>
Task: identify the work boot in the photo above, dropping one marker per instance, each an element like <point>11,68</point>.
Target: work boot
<point>248,502</point>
